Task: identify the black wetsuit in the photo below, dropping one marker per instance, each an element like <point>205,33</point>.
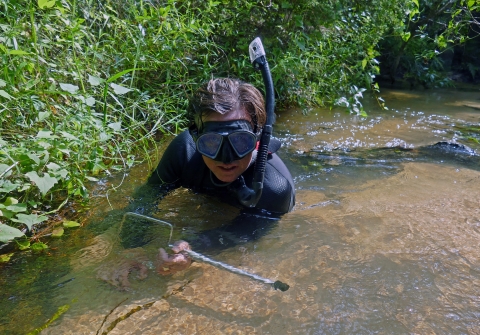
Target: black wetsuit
<point>182,166</point>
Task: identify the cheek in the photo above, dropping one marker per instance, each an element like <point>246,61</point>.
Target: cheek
<point>208,162</point>
<point>245,161</point>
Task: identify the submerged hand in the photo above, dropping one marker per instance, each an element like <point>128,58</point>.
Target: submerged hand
<point>170,264</point>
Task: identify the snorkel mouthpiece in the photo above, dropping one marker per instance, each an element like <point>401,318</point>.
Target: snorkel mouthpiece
<point>250,197</point>
<point>247,196</point>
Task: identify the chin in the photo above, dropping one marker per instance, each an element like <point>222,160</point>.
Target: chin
<point>226,179</point>
<point>228,172</point>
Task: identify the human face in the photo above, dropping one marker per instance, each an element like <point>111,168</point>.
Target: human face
<point>228,172</point>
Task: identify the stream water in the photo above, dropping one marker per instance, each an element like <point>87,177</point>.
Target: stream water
<point>384,239</point>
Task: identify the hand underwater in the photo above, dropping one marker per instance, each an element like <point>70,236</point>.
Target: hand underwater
<point>170,264</point>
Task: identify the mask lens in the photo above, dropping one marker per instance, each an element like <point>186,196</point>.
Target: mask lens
<point>242,142</point>
<point>209,144</point>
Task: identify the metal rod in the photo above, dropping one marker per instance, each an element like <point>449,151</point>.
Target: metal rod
<point>277,285</point>
<point>199,257</point>
<point>217,264</point>
<point>149,219</point>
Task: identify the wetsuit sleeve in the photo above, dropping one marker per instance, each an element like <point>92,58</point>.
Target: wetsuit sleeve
<point>248,226</point>
<point>170,170</point>
<point>134,232</point>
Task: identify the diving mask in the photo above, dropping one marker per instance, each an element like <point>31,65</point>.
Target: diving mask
<point>224,141</point>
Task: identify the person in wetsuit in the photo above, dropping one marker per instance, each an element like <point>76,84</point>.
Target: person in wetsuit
<point>218,149</point>
<point>221,146</point>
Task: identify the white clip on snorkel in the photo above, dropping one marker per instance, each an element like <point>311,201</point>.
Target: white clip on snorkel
<point>250,197</point>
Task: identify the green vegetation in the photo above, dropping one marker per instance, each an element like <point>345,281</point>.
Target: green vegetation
<point>87,88</point>
<point>61,310</point>
<point>434,38</point>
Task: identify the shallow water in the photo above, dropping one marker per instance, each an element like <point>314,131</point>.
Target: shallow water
<point>384,239</point>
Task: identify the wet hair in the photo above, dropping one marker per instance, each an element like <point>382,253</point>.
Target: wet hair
<point>224,95</point>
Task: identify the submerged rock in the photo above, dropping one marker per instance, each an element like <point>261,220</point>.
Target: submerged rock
<point>453,148</point>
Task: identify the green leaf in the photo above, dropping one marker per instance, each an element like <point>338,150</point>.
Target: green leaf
<point>29,219</point>
<point>65,151</point>
<point>406,36</point>
<point>18,52</point>
<point>44,183</point>
<point>23,244</point>
<point>10,207</point>
<point>3,168</point>
<point>34,158</point>
<point>5,258</point>
<point>57,232</point>
<point>69,88</point>
<point>46,4</point>
<point>90,101</point>
<point>10,201</point>
<point>62,173</point>
<point>364,63</point>
<point>119,74</point>
<point>120,90</point>
<point>53,166</point>
<point>69,136</point>
<point>95,81</point>
<point>6,186</point>
<point>38,246</point>
<point>45,134</point>
<point>117,126</point>
<point>103,137</point>
<point>70,224</point>
<point>17,208</point>
<point>470,4</point>
<point>5,213</point>
<point>5,95</point>
<point>42,116</point>
<point>46,146</point>
<point>8,233</point>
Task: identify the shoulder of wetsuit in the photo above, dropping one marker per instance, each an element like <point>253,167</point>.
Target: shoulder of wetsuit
<point>274,145</point>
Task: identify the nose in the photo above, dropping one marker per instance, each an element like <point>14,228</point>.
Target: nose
<point>227,155</point>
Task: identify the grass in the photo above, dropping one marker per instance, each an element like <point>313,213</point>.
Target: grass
<point>75,104</point>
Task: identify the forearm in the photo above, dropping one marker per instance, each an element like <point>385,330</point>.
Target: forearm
<point>246,227</point>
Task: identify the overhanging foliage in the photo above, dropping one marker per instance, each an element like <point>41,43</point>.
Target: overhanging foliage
<point>87,86</point>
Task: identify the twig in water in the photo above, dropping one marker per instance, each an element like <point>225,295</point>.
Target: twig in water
<point>123,317</point>
<point>106,316</point>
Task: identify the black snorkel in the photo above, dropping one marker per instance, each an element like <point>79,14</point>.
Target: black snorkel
<point>250,197</point>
